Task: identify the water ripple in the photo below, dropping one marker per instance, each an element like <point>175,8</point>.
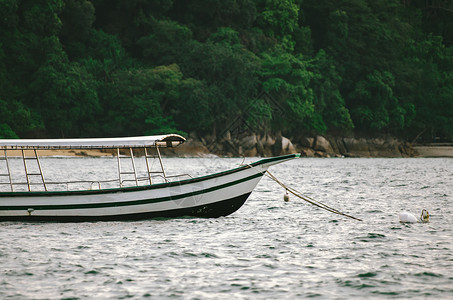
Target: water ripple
<point>268,249</point>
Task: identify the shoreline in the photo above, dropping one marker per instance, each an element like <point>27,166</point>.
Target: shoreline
<point>419,151</point>
<point>256,146</point>
<point>434,151</point>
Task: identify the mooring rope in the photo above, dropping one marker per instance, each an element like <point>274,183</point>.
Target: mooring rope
<point>308,199</point>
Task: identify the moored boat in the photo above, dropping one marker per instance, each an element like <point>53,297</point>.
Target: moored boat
<point>214,195</point>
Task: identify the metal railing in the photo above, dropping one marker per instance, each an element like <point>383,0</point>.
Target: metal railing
<point>80,185</point>
<point>152,177</point>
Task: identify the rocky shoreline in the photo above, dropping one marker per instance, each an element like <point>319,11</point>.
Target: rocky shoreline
<point>267,146</point>
<point>316,146</point>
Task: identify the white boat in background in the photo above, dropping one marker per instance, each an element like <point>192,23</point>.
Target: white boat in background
<point>215,195</point>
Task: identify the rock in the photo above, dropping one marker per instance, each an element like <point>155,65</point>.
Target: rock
<point>227,136</point>
<point>283,146</point>
<point>250,152</point>
<point>218,147</point>
<point>376,146</point>
<point>248,142</point>
<point>230,147</point>
<point>394,148</point>
<point>209,139</point>
<point>260,148</point>
<point>308,152</point>
<point>191,148</point>
<point>268,141</point>
<point>320,154</point>
<point>389,147</point>
<point>356,147</point>
<point>321,144</point>
<point>193,135</point>
<point>409,150</point>
<point>277,147</point>
<point>338,145</point>
<point>287,146</point>
<point>307,142</point>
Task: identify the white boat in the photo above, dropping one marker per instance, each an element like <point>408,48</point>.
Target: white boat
<point>215,195</point>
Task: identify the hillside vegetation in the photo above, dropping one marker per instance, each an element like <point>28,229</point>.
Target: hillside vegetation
<point>80,68</point>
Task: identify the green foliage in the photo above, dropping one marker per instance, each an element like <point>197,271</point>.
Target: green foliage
<point>287,79</point>
<point>77,18</point>
<point>259,115</point>
<point>167,44</point>
<point>16,119</point>
<point>6,132</point>
<point>65,96</point>
<point>206,17</point>
<point>427,85</point>
<point>279,19</point>
<point>104,68</point>
<point>374,104</point>
<point>134,100</point>
<point>192,110</point>
<point>330,107</point>
<point>41,16</point>
<point>229,71</point>
<point>225,35</point>
<point>8,16</point>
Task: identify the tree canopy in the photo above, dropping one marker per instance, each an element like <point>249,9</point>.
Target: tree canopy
<point>76,68</point>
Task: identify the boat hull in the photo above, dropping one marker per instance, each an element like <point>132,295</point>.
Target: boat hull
<point>213,210</point>
<point>214,195</point>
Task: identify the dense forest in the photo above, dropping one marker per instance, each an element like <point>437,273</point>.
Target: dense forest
<point>78,68</point>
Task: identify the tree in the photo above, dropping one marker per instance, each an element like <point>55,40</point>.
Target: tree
<point>229,70</point>
<point>206,17</point>
<point>427,84</point>
<point>279,19</point>
<point>134,101</point>
<point>129,20</point>
<point>65,95</point>
<point>375,107</point>
<point>17,119</point>
<point>167,44</point>
<point>330,108</point>
<point>77,19</point>
<point>287,79</point>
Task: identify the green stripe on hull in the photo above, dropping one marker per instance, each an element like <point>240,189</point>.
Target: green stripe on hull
<point>129,203</point>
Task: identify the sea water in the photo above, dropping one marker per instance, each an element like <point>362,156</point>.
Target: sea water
<point>268,249</point>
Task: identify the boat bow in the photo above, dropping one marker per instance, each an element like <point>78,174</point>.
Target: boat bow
<point>214,195</point>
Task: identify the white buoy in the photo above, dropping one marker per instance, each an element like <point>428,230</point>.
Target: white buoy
<point>407,217</point>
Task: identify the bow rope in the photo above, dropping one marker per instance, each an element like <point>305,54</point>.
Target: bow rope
<point>308,199</point>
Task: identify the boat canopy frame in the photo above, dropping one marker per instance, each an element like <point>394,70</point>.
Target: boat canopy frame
<point>162,141</point>
<point>130,143</point>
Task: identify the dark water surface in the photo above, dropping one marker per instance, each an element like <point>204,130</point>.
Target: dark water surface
<point>268,249</point>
